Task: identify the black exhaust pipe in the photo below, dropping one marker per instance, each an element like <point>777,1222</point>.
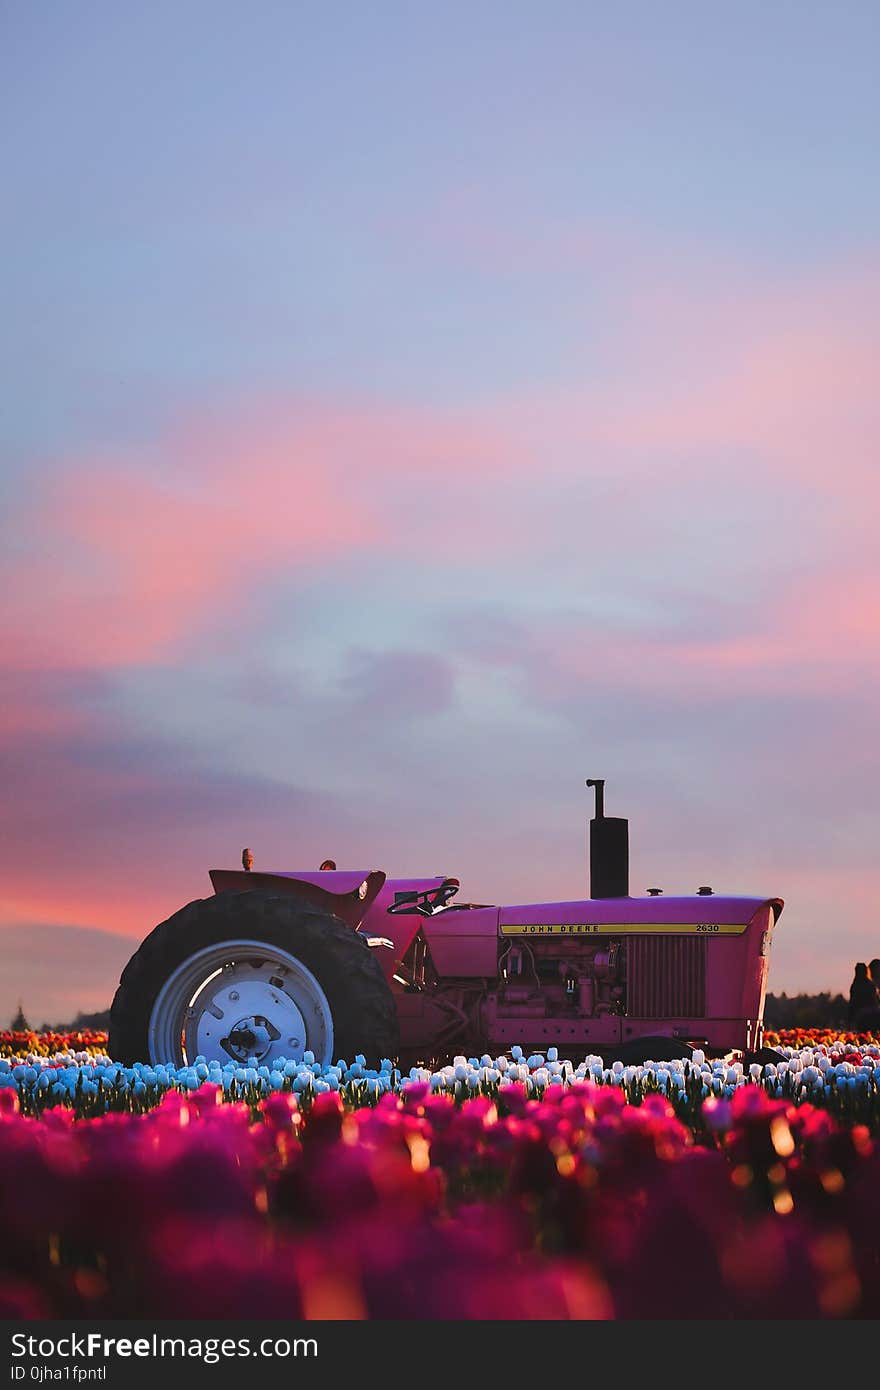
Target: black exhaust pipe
<point>609,849</point>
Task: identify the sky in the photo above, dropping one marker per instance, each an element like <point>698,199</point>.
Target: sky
<point>409,412</point>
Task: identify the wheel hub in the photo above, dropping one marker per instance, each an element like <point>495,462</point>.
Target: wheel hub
<point>250,1037</point>
<point>244,1002</point>
<point>249,1019</point>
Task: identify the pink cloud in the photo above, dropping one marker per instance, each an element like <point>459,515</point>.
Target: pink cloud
<point>777,375</point>
<point>125,559</point>
<point>127,564</point>
<point>783,377</point>
<point>741,385</point>
<point>817,635</point>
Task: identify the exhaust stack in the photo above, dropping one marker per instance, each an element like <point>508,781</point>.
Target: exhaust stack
<point>609,849</point>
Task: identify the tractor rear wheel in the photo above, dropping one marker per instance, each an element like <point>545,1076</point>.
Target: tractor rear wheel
<point>252,978</point>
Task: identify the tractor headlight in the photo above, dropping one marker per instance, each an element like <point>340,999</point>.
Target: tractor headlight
<point>362,891</point>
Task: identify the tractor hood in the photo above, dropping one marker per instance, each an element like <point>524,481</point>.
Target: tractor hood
<point>633,916</point>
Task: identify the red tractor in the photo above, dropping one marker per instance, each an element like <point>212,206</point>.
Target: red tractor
<point>338,963</point>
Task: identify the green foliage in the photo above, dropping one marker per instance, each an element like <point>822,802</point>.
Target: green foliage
<point>805,1011</point>
<point>20,1024</point>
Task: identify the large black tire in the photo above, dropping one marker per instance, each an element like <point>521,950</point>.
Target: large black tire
<point>361,1003</point>
<point>763,1055</point>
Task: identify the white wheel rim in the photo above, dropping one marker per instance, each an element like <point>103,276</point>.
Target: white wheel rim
<point>244,1002</point>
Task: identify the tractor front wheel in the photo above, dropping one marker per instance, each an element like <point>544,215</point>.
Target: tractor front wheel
<point>252,979</point>
<point>637,1050</point>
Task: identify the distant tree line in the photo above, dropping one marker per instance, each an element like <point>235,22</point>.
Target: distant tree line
<point>83,1023</point>
<point>780,1011</point>
<point>805,1011</point>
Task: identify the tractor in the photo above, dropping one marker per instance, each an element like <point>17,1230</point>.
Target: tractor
<point>338,963</point>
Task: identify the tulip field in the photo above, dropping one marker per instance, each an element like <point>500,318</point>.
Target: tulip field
<point>515,1187</point>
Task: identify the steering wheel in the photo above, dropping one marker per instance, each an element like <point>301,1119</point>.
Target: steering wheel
<point>424,901</point>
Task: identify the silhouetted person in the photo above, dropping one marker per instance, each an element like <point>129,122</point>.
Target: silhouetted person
<point>871,1019</point>
<point>863,999</point>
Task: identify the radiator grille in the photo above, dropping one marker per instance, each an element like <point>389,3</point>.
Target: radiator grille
<point>666,977</point>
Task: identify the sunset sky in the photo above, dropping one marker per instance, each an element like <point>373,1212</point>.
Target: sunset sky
<point>410,412</point>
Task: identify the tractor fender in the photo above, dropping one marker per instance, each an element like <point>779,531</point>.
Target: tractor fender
<point>348,894</point>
